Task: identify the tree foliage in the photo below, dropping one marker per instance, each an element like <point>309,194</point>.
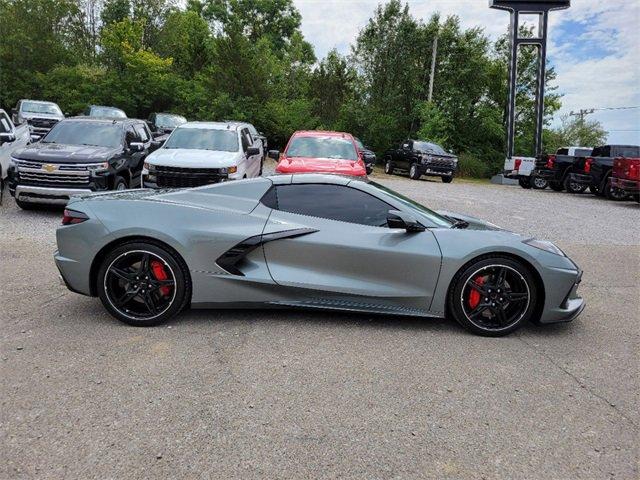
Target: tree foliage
<point>248,60</point>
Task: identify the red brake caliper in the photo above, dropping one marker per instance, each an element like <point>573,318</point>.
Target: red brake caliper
<point>159,272</point>
<point>474,295</point>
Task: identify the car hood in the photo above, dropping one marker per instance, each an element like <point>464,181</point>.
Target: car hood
<point>61,153</point>
<point>49,116</point>
<point>320,165</point>
<point>474,223</point>
<point>191,158</point>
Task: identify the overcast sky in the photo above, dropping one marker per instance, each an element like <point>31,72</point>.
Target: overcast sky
<point>594,47</point>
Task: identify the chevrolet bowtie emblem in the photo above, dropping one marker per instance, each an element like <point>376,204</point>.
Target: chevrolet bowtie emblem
<point>49,168</point>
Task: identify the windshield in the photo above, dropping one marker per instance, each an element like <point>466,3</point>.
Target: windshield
<point>418,209</point>
<point>203,139</point>
<point>171,121</point>
<point>322,147</point>
<point>429,147</point>
<point>359,143</point>
<point>110,112</point>
<point>85,133</point>
<point>37,107</point>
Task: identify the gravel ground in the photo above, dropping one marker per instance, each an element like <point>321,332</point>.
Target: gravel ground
<point>293,394</point>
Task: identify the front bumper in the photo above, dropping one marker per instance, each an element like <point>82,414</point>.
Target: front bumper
<point>630,186</point>
<point>582,178</point>
<point>436,170</point>
<point>571,305</point>
<point>46,195</point>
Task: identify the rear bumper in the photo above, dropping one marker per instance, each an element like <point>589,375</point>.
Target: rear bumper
<point>631,186</point>
<point>46,195</point>
<point>582,178</point>
<point>549,175</point>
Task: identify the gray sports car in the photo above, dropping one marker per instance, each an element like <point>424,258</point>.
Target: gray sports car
<point>313,241</point>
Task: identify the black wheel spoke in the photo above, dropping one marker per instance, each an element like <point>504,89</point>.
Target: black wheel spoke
<point>500,315</point>
<point>477,310</point>
<point>144,264</point>
<point>149,302</point>
<point>122,274</point>
<point>501,277</point>
<point>127,297</point>
<point>476,286</point>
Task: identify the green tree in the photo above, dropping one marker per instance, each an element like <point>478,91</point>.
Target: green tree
<point>578,132</point>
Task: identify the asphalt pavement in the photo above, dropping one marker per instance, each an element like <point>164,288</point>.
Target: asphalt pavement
<point>294,394</point>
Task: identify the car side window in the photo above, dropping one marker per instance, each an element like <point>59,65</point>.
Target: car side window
<point>132,135</point>
<point>334,202</point>
<point>246,139</point>
<point>5,126</point>
<point>142,132</point>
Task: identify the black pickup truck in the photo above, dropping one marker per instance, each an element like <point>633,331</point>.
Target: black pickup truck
<point>556,168</point>
<point>419,158</point>
<point>80,155</point>
<point>595,170</point>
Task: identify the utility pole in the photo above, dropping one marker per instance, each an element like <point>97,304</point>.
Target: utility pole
<point>434,54</point>
<point>583,112</point>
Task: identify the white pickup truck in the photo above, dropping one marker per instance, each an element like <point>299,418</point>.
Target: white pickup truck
<point>11,138</point>
<point>521,168</point>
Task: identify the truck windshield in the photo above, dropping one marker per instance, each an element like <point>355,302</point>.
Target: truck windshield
<point>108,112</point>
<point>429,147</point>
<point>322,147</point>
<point>85,133</point>
<point>170,121</point>
<point>37,107</point>
<point>203,139</point>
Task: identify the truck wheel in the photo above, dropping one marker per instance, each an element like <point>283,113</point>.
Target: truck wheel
<point>25,205</point>
<point>573,187</point>
<point>369,170</point>
<point>388,167</point>
<point>615,194</point>
<point>414,173</point>
<point>120,184</point>
<point>556,186</point>
<point>539,183</point>
<point>448,179</point>
<point>525,182</point>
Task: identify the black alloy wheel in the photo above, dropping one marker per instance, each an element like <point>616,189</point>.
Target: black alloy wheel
<point>493,296</point>
<point>524,182</point>
<point>143,284</point>
<point>573,187</point>
<point>616,194</point>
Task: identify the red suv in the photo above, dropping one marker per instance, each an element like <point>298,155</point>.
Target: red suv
<point>316,151</point>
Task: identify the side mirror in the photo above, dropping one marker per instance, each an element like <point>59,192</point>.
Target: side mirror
<point>398,219</point>
<point>7,138</point>
<point>136,146</point>
<point>275,154</point>
<point>251,151</point>
<point>156,144</point>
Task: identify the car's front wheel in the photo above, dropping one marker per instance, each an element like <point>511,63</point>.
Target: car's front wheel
<point>492,295</point>
<point>539,183</point>
<point>414,172</point>
<point>388,167</point>
<point>524,182</point>
<point>447,179</point>
<point>143,283</point>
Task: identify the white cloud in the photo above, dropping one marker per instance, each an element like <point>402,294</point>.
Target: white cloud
<point>608,28</point>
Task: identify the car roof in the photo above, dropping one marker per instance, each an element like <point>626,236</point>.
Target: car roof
<point>322,133</point>
<point>103,120</point>
<point>44,102</point>
<point>210,125</point>
<point>324,178</point>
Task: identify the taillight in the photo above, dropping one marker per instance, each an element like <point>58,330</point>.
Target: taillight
<point>634,170</point>
<point>551,161</point>
<point>71,217</point>
<point>517,164</point>
<point>587,164</point>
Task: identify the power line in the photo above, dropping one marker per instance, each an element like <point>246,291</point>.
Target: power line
<point>616,108</point>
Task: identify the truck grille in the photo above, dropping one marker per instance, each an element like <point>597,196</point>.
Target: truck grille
<point>53,174</point>
<point>43,122</point>
<point>178,177</point>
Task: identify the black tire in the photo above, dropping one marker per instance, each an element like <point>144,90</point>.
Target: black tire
<point>539,183</point>
<point>26,205</point>
<point>369,170</point>
<point>556,186</point>
<point>414,172</point>
<point>120,183</point>
<point>611,193</point>
<point>594,190</point>
<point>524,182</point>
<point>483,317</point>
<point>573,187</point>
<point>132,312</point>
<point>447,179</point>
<point>388,167</point>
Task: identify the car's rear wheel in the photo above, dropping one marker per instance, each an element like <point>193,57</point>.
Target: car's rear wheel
<point>556,186</point>
<point>119,184</point>
<point>143,283</point>
<point>414,173</point>
<point>539,183</point>
<point>573,187</point>
<point>388,167</point>
<point>493,296</point>
<point>524,182</point>
<point>612,193</point>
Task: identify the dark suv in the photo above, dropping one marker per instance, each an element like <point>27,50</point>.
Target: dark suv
<point>80,155</point>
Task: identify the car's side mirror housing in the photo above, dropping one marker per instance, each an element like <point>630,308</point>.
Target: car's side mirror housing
<point>398,219</point>
<point>275,154</point>
<point>136,146</point>
<point>7,138</point>
<point>251,151</point>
